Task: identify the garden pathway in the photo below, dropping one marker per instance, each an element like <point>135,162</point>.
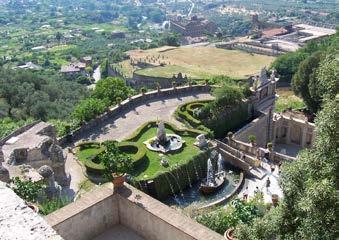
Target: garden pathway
<point>125,124</point>
<point>274,187</point>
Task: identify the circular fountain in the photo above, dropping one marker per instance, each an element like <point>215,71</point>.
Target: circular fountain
<point>164,142</point>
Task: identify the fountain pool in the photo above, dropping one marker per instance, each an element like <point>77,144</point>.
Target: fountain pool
<point>192,196</point>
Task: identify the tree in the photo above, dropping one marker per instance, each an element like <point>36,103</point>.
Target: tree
<point>110,89</point>
<point>324,83</point>
<point>310,204</point>
<point>303,77</point>
<point>170,40</point>
<point>88,109</point>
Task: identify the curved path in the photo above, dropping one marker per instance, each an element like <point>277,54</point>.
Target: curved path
<point>126,123</point>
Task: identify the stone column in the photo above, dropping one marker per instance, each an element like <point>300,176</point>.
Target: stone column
<point>4,174</point>
<point>304,135</point>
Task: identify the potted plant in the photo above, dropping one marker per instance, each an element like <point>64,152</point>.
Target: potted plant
<point>143,90</point>
<point>252,139</point>
<point>158,87</point>
<point>269,146</point>
<point>118,99</point>
<point>229,234</point>
<point>116,164</point>
<point>174,84</point>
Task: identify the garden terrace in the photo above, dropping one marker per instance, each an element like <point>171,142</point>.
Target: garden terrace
<point>146,163</point>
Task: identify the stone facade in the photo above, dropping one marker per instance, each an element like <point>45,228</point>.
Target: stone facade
<point>36,147</point>
<point>193,27</point>
<point>290,127</point>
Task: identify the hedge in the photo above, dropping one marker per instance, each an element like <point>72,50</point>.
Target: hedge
<point>185,113</point>
<point>138,151</point>
<point>144,127</point>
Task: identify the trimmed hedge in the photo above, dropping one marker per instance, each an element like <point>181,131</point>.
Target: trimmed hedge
<point>138,151</point>
<point>146,126</point>
<point>185,113</point>
<point>228,120</point>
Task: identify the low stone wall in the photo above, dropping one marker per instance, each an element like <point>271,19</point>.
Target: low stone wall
<point>140,80</point>
<point>100,210</point>
<point>131,103</point>
<point>18,132</point>
<point>86,218</point>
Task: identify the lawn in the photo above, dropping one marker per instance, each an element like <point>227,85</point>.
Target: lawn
<point>287,99</point>
<point>202,62</point>
<point>151,166</point>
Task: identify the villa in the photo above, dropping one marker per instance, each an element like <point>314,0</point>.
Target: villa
<point>143,211</point>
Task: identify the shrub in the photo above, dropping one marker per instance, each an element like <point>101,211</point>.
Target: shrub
<point>49,206</point>
<point>252,138</point>
<point>115,161</point>
<point>27,190</point>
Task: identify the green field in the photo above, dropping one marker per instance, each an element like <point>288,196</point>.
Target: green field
<point>200,62</point>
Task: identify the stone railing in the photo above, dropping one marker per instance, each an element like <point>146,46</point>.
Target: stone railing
<point>133,102</point>
<point>18,132</point>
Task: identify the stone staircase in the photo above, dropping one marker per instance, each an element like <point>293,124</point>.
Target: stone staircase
<point>231,155</point>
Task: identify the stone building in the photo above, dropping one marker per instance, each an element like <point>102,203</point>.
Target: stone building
<point>34,147</point>
<point>194,27</point>
<point>292,127</point>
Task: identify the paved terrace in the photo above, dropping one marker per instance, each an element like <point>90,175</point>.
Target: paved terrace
<point>125,124</point>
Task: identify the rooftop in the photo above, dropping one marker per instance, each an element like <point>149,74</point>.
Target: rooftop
<point>124,213</point>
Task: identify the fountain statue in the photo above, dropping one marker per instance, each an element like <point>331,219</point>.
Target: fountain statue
<point>161,133</point>
<point>214,180</point>
<point>164,142</point>
<point>201,141</point>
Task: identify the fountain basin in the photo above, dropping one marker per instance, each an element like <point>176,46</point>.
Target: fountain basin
<point>173,142</point>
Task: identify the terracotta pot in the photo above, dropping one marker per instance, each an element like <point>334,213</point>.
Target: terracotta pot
<point>275,199</point>
<point>33,207</point>
<point>229,234</point>
<point>118,181</point>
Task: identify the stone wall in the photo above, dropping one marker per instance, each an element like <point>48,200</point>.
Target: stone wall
<point>17,132</point>
<point>258,127</point>
<point>86,218</point>
<point>131,103</point>
<point>101,209</point>
<point>151,82</point>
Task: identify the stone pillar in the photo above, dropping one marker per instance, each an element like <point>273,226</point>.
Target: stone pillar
<point>4,174</point>
<point>304,135</point>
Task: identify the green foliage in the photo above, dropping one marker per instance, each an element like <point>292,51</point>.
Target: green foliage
<point>109,89</point>
<point>252,138</point>
<point>32,95</point>
<point>50,205</point>
<point>171,39</point>
<point>114,160</point>
<point>7,125</point>
<point>27,189</point>
<point>304,76</point>
<point>88,109</point>
<point>237,212</point>
<point>309,207</point>
<point>287,65</point>
<point>227,95</point>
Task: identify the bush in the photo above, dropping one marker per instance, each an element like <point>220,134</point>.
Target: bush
<point>49,206</point>
<point>94,165</point>
<point>27,190</point>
